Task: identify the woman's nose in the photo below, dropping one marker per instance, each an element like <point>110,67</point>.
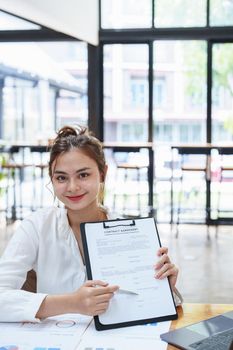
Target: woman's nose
<point>73,185</point>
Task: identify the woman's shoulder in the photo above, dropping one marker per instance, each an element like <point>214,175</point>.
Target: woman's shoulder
<point>45,217</point>
<point>44,213</point>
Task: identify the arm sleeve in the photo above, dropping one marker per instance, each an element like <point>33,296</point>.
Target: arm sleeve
<point>18,258</point>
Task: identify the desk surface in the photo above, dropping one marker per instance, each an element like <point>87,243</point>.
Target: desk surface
<point>191,313</point>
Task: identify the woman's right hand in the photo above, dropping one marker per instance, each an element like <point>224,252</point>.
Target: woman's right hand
<point>93,297</point>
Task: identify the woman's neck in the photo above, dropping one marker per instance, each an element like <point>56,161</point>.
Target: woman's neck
<point>92,213</point>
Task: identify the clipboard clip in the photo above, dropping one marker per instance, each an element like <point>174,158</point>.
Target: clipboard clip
<point>118,222</point>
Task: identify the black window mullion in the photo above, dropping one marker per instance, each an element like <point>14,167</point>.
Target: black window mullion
<point>95,90</point>
<point>208,13</point>
<point>150,77</point>
<point>101,94</point>
<point>153,13</point>
<point>100,17</point>
<point>209,92</point>
<point>209,124</point>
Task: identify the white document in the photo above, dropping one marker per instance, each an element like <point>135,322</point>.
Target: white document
<point>123,253</point>
<point>57,333</point>
<point>136,337</point>
<point>29,341</point>
<point>77,332</point>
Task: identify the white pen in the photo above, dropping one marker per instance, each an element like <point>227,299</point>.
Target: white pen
<point>127,291</point>
<point>120,290</point>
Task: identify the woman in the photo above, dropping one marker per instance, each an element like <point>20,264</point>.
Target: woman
<point>49,241</point>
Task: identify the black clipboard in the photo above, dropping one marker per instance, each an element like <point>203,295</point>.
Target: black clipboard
<point>111,228</point>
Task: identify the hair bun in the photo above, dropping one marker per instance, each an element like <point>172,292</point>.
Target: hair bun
<point>66,131</point>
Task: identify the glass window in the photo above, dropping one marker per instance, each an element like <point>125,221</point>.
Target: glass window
<point>159,93</point>
<point>184,133</point>
<point>19,101</point>
<point>163,132</point>
<point>180,91</point>
<point>180,13</point>
<point>197,100</point>
<point>196,133</point>
<point>125,129</point>
<point>221,97</point>
<point>126,96</point>
<point>131,54</point>
<point>222,93</point>
<point>126,13</point>
<point>44,85</point>
<point>222,128</point>
<point>9,22</point>
<point>165,52</point>
<point>221,12</point>
<point>132,132</point>
<point>167,132</point>
<point>139,92</point>
<point>177,82</point>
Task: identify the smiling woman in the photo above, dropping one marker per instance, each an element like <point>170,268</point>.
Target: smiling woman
<point>71,148</point>
<point>76,180</point>
<point>77,169</point>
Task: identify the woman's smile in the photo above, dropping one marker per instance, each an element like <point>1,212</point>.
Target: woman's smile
<point>76,198</point>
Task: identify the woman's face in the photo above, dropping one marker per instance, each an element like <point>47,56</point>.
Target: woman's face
<point>76,180</point>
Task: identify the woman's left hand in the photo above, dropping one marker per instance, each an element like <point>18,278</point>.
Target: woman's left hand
<point>165,268</point>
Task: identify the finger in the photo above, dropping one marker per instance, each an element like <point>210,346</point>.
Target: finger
<point>99,312</point>
<point>169,273</point>
<point>104,298</point>
<point>101,308</point>
<point>113,289</point>
<point>162,250</point>
<point>94,283</point>
<point>167,268</point>
<point>164,259</point>
<point>106,290</point>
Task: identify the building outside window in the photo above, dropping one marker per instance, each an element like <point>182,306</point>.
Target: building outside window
<point>159,92</point>
<point>132,132</point>
<point>139,92</point>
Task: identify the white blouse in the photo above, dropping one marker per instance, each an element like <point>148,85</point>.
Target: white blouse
<point>45,243</point>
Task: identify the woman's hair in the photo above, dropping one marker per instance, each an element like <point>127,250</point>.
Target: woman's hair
<point>69,138</point>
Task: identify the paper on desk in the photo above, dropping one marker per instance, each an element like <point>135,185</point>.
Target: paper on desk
<point>136,337</point>
<point>60,333</point>
<point>30,341</point>
<point>63,324</point>
<point>122,344</point>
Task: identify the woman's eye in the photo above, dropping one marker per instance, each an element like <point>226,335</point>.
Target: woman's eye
<point>83,175</point>
<point>61,178</point>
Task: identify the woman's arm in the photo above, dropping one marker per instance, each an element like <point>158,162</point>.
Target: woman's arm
<point>89,300</point>
<point>18,258</point>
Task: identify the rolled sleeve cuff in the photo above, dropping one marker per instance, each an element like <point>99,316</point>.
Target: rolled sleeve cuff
<point>33,306</point>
